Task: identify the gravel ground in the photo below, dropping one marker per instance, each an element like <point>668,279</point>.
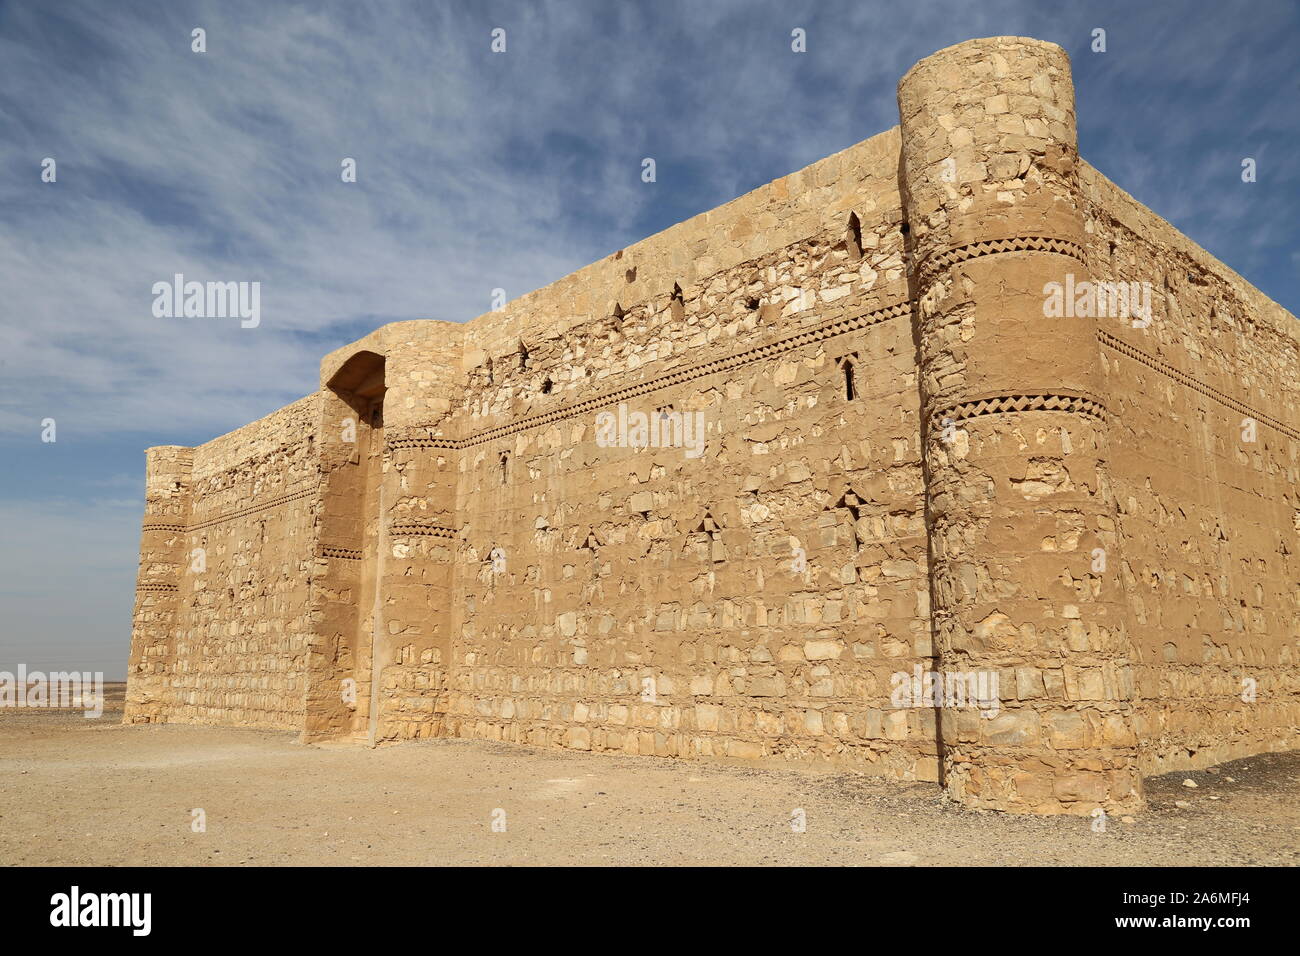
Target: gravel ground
<point>93,792</point>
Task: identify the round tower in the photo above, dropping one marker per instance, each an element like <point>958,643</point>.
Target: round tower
<point>1025,580</point>
<point>159,582</point>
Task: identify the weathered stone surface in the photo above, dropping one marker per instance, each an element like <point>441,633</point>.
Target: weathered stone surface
<point>876,457</point>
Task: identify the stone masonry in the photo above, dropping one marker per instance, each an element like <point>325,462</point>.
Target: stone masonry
<point>827,476</point>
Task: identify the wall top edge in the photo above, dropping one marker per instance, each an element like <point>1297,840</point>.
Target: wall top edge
<point>978,43</point>
<point>1139,217</point>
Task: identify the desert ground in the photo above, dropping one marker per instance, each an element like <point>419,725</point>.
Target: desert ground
<point>95,792</point>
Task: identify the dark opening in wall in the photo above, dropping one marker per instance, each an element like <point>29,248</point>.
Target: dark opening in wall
<point>618,314</point>
<point>752,303</point>
<point>850,392</point>
<point>630,275</point>
<point>709,525</point>
<point>849,501</point>
<point>853,237</point>
<point>523,355</point>
<point>905,229</point>
<point>711,547</point>
<point>678,302</point>
<point>505,467</point>
<point>546,387</point>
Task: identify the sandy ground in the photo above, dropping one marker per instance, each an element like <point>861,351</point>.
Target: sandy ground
<point>93,792</point>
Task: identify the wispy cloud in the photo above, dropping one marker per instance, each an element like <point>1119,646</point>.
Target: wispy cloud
<point>477,171</point>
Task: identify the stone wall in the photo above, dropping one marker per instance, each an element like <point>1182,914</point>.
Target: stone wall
<point>904,464</point>
<point>748,596</point>
<point>239,576</point>
<point>1207,501</point>
<point>158,614</point>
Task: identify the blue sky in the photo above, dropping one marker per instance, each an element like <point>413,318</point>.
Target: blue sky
<point>475,171</point>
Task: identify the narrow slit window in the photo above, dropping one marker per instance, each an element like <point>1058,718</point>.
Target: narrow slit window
<point>850,391</point>
<point>853,237</point>
<point>505,468</point>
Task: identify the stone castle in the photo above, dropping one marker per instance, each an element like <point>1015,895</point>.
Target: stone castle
<point>993,483</point>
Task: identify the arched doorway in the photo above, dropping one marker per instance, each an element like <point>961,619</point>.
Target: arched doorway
<point>352,522</point>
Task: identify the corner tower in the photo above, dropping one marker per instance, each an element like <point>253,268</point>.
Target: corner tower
<point>159,581</point>
<point>1022,533</point>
